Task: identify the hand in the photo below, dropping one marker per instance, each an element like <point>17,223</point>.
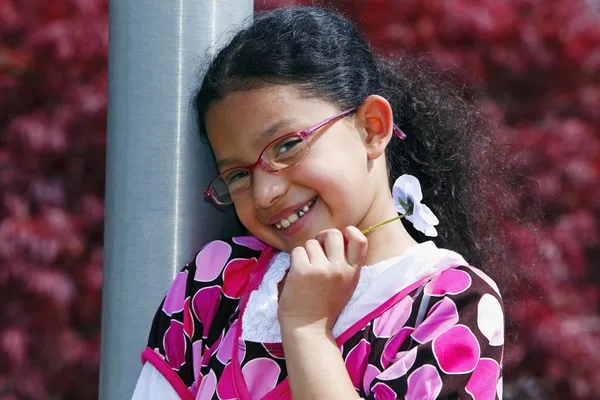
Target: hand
<point>322,277</point>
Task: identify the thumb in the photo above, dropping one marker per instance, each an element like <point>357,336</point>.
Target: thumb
<point>356,247</point>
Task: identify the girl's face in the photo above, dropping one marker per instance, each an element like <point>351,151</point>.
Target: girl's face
<point>338,179</point>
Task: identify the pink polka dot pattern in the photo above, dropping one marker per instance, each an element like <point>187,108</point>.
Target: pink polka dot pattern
<point>211,351</point>
<point>490,319</point>
<point>392,346</point>
<point>211,261</point>
<point>250,242</point>
<point>451,281</point>
<point>261,376</point>
<point>197,348</point>
<point>207,388</point>
<point>424,383</point>
<point>441,317</point>
<point>391,321</point>
<point>235,277</point>
<point>175,297</point>
<point>188,318</point>
<point>225,389</point>
<point>175,345</point>
<point>482,385</point>
<point>205,305</point>
<point>456,350</point>
<point>500,388</point>
<point>486,278</point>
<point>356,362</point>
<point>225,349</point>
<point>400,367</point>
<point>370,373</point>
<point>381,391</point>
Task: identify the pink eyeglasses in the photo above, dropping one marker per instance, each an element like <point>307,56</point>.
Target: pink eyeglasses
<point>280,154</point>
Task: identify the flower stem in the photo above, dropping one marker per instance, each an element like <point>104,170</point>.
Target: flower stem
<point>369,229</point>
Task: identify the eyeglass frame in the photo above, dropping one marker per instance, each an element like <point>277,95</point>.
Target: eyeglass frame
<point>304,134</point>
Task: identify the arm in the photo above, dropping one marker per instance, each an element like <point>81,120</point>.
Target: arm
<point>315,366</point>
<point>322,277</point>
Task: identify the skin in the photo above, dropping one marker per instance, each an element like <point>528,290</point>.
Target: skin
<point>346,169</point>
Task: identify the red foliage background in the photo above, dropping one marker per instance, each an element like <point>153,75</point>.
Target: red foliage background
<point>538,62</point>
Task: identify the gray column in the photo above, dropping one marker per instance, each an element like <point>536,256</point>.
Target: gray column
<point>157,168</point>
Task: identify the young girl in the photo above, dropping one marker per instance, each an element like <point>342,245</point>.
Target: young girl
<point>338,294</point>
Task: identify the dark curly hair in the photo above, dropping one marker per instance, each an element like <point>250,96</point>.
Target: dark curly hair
<point>324,55</point>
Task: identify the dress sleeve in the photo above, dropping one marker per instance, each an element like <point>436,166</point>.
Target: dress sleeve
<point>452,350</point>
<point>172,341</point>
<point>153,385</point>
<point>192,316</point>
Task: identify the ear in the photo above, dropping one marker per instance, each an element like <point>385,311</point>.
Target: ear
<point>376,121</point>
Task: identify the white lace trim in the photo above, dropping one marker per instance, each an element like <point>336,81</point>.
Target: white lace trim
<point>376,284</point>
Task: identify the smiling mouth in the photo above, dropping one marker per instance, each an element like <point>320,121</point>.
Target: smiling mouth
<point>296,215</point>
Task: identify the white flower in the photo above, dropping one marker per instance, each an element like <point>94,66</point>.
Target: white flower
<point>407,193</point>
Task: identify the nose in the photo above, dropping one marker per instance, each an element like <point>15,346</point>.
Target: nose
<point>267,187</point>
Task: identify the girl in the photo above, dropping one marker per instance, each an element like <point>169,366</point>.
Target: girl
<point>335,296</point>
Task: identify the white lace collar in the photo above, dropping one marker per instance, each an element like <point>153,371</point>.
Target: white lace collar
<point>377,283</point>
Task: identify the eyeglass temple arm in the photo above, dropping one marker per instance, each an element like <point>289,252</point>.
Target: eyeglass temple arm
<point>401,135</point>
<point>328,120</point>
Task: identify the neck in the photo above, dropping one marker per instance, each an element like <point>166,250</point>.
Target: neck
<point>389,240</point>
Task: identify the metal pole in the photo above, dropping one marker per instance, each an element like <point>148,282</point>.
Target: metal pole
<point>157,167</point>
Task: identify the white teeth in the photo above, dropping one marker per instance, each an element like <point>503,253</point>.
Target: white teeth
<point>293,218</point>
<point>290,219</point>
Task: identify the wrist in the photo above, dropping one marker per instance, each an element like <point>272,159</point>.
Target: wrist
<point>298,329</point>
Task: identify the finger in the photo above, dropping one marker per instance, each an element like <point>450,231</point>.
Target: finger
<point>332,241</point>
<point>299,258</point>
<point>356,249</point>
<point>316,255</point>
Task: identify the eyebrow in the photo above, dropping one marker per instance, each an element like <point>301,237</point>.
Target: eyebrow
<point>261,137</point>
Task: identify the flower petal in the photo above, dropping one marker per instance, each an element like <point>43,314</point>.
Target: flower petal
<point>423,219</point>
<point>431,232</point>
<point>428,215</point>
<point>409,185</point>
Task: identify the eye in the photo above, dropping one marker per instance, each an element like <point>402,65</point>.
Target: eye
<point>288,145</point>
<point>235,176</point>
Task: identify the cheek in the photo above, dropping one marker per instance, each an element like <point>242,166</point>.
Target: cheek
<point>332,181</point>
<point>246,214</point>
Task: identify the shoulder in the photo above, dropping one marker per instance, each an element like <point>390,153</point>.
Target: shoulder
<point>214,256</point>
<point>209,263</point>
<point>461,279</point>
<point>211,283</point>
<point>468,291</point>
<point>217,264</point>
<point>468,301</point>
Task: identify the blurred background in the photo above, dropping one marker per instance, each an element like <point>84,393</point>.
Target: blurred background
<point>537,63</point>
